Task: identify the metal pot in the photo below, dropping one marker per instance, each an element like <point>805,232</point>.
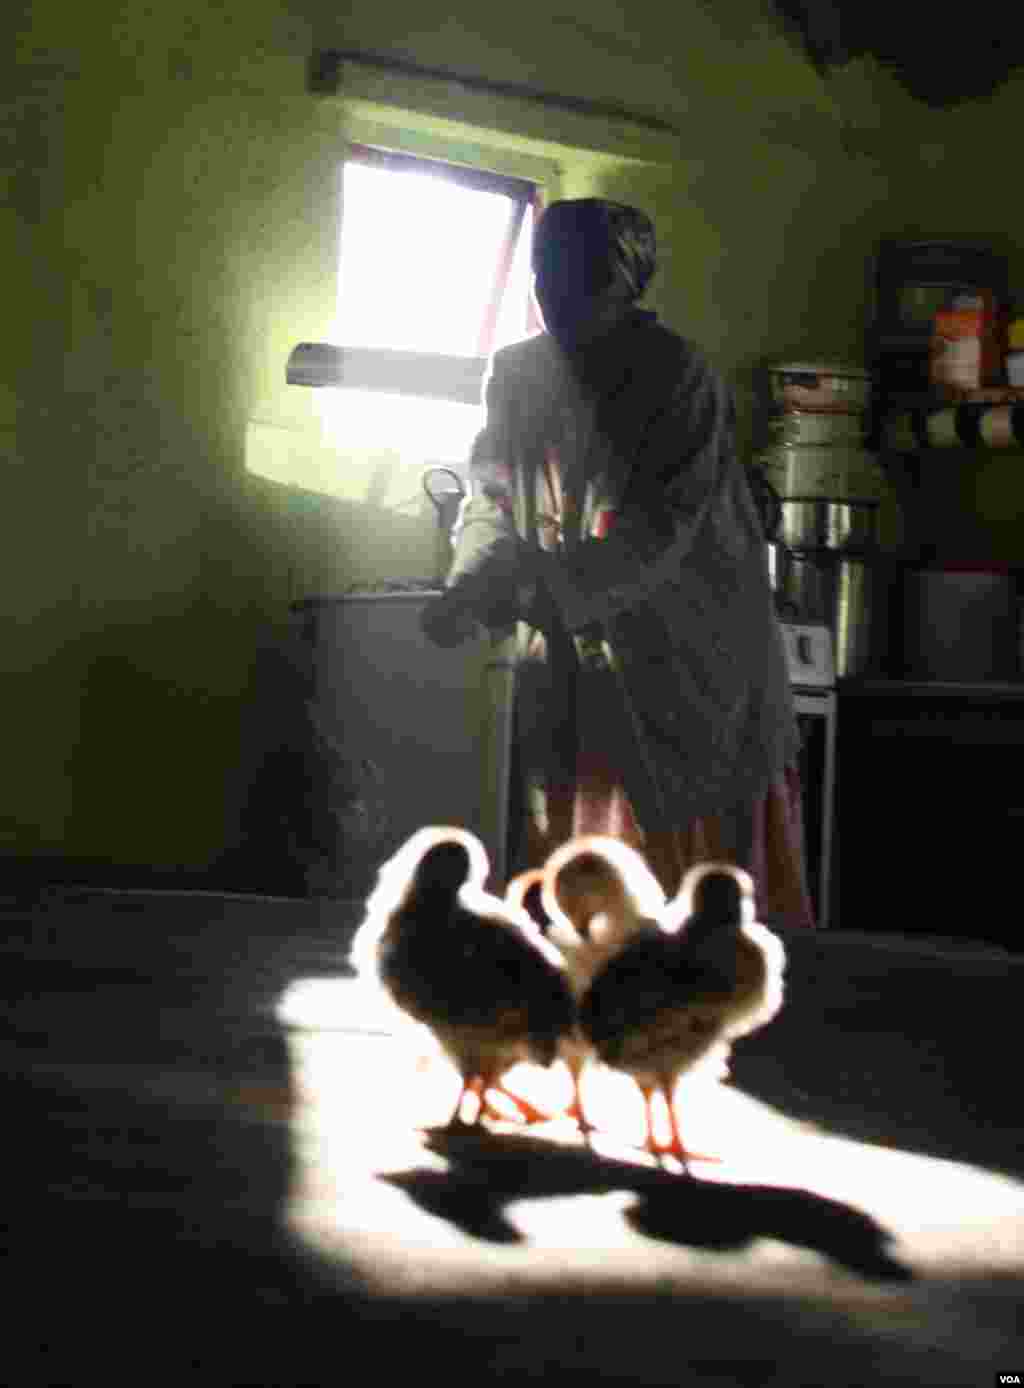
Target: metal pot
<point>851,525</point>
<point>817,523</point>
<point>803,524</point>
<point>804,586</point>
<point>846,594</point>
<point>802,428</point>
<point>860,631</point>
<point>832,473</point>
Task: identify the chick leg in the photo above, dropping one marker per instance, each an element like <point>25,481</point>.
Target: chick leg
<point>675,1147</point>
<point>650,1142</point>
<point>575,1109</point>
<point>470,1085</point>
<point>529,1113</point>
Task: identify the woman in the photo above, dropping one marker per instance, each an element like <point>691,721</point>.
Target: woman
<point>609,517</point>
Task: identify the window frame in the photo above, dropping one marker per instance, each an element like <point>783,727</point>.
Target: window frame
<point>522,193</point>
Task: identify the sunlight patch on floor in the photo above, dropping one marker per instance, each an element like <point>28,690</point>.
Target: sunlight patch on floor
<point>364,1098</point>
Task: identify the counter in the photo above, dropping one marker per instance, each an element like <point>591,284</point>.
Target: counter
<point>985,691</point>
<point>929,808</point>
<point>420,734</point>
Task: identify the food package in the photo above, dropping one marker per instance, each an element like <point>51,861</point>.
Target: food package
<point>1015,354</point>
<point>967,344</point>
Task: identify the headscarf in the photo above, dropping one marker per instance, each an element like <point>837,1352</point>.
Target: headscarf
<point>618,240</point>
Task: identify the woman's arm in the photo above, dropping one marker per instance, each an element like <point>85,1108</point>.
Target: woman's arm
<point>483,582</point>
<point>679,466</point>
<point>486,546</point>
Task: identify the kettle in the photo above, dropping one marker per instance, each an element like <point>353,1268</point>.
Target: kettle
<point>447,500</point>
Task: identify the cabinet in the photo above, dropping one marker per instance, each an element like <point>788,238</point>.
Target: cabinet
<point>419,732</point>
<point>930,809</point>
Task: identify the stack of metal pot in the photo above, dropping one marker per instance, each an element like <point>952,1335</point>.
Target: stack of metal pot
<point>824,555</point>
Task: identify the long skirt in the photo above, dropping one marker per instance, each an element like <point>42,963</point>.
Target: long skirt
<point>765,836</point>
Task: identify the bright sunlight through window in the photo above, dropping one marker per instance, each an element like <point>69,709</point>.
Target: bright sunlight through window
<point>419,260</point>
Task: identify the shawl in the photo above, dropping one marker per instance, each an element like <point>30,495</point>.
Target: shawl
<point>644,428</point>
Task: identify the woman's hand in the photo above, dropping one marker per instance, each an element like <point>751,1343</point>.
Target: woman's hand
<point>447,621</point>
<point>549,570</point>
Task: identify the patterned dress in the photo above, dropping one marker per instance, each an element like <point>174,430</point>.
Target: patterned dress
<point>676,734</point>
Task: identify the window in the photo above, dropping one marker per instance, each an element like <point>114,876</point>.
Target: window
<point>434,257</point>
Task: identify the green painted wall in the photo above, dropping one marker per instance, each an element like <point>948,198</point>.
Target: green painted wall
<point>173,226</point>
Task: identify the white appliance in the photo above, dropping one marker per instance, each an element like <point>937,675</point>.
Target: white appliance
<point>809,655</point>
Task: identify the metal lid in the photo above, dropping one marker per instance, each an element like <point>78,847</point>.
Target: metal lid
<point>818,368</point>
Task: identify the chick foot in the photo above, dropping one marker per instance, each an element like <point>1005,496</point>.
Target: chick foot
<point>529,1113</point>
<point>456,1123</point>
<point>676,1149</point>
<point>575,1110</point>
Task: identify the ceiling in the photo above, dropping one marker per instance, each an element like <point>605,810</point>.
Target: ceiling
<point>942,55</point>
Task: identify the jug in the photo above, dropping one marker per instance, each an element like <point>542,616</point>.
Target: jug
<point>447,500</point>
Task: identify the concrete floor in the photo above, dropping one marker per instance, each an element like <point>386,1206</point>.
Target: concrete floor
<point>217,1163</point>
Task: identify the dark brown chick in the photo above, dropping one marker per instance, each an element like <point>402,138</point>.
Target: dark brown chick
<point>464,964</point>
<point>596,893</point>
<point>705,975</point>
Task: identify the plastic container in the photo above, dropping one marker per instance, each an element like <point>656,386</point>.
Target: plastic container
<point>821,387</point>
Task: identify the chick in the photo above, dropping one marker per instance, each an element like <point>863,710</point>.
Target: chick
<point>465,964</point>
<point>684,988</point>
<point>523,893</point>
<point>596,893</point>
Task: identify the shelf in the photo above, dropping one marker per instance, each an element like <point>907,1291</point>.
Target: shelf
<point>915,423</point>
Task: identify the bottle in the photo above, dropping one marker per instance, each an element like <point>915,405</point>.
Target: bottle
<point>1015,353</point>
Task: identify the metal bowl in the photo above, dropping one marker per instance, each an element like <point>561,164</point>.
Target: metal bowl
<point>818,523</point>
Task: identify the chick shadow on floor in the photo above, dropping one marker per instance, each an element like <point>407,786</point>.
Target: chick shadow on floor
<point>489,1171</point>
